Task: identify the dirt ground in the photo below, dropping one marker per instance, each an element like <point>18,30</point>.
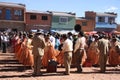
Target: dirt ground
<point>10,69</point>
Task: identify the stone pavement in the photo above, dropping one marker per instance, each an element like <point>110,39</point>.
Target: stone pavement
<point>10,69</point>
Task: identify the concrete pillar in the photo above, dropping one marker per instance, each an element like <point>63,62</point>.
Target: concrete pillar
<point>106,19</point>
<point>96,19</point>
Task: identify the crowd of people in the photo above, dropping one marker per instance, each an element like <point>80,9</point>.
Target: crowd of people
<point>37,49</point>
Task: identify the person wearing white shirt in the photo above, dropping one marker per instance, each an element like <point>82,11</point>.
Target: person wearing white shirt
<point>4,41</point>
<point>79,51</point>
<point>52,39</point>
<point>67,49</point>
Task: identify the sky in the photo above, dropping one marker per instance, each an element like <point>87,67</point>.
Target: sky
<point>77,6</point>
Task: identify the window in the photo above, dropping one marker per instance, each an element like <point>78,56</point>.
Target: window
<point>0,11</point>
<point>18,12</point>
<point>84,23</point>
<point>44,17</point>
<point>63,19</point>
<point>8,14</point>
<point>101,19</point>
<point>33,17</point>
<point>111,20</point>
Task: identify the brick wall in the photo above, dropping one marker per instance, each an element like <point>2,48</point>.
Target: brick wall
<point>89,24</point>
<point>13,16</point>
<point>90,15</point>
<point>16,21</point>
<point>12,25</point>
<point>118,28</point>
<point>38,23</point>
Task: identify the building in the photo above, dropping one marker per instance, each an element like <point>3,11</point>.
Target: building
<point>86,24</point>
<point>94,21</point>
<point>62,20</point>
<point>118,28</point>
<point>37,20</point>
<point>103,21</point>
<point>12,16</point>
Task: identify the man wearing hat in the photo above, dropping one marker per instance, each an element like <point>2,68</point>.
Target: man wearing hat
<point>38,52</point>
<point>103,46</point>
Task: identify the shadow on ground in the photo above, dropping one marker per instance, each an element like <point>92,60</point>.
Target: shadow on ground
<point>9,64</point>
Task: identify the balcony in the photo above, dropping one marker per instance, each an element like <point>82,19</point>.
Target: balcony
<point>106,25</point>
<point>15,19</point>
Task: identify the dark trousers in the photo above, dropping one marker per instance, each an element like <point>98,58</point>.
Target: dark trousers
<point>37,64</point>
<point>4,47</point>
<point>103,61</point>
<point>79,54</point>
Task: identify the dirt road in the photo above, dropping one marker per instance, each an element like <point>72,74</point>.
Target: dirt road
<point>10,69</point>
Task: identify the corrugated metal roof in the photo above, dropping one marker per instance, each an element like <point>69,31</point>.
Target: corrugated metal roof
<point>105,14</point>
<point>80,18</point>
<point>7,4</point>
<point>62,13</point>
<point>36,11</point>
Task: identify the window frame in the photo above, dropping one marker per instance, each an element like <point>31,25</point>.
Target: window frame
<point>31,18</point>
<point>17,12</point>
<point>84,23</point>
<point>101,19</point>
<point>44,17</point>
<point>111,20</point>
<point>62,19</point>
<point>0,11</point>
